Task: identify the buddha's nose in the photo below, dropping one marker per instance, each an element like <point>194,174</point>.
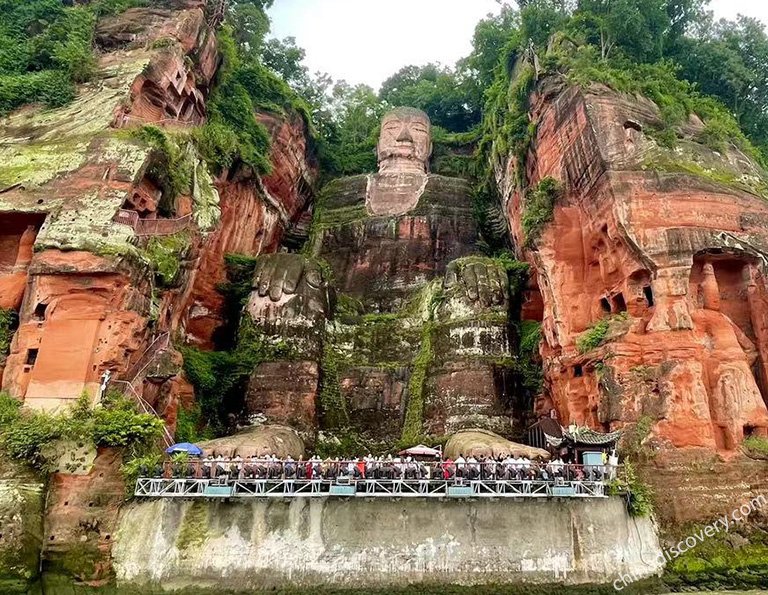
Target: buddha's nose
<point>405,135</point>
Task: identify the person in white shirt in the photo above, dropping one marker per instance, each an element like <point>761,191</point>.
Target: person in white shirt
<point>613,463</point>
<point>460,464</point>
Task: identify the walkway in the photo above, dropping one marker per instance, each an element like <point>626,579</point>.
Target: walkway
<point>365,488</point>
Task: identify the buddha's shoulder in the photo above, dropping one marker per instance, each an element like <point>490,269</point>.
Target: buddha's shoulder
<point>344,192</point>
<point>443,191</point>
<point>351,192</point>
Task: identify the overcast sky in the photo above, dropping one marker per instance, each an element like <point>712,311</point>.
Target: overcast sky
<point>366,41</point>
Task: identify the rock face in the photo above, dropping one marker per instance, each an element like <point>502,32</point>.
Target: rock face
<point>675,261</point>
<point>64,191</point>
<point>83,218</point>
<point>310,542</point>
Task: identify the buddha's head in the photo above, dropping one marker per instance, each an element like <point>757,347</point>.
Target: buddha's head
<point>405,143</point>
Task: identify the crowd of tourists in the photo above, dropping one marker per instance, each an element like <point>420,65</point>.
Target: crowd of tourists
<point>386,468</point>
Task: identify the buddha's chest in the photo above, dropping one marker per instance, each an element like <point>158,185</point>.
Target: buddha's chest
<point>383,260</point>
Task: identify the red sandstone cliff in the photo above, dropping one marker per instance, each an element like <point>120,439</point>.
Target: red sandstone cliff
<point>79,209</point>
<point>675,261</point>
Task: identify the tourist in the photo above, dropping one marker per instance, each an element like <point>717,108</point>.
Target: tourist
<point>460,464</point>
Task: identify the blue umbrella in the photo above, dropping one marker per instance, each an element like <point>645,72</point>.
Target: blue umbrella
<point>186,447</point>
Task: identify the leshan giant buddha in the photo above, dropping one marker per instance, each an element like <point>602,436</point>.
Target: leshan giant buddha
<point>393,325</point>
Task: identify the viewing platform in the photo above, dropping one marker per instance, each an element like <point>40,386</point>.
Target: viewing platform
<point>359,487</point>
<point>366,488</point>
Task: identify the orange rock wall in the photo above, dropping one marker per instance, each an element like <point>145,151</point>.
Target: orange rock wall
<point>679,254</point>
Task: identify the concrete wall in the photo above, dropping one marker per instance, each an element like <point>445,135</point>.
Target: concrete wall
<point>356,542</point>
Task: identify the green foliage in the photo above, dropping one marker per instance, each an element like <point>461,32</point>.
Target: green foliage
<point>166,253</point>
<point>219,376</point>
<point>25,433</point>
<point>46,47</point>
<point>599,333</point>
<point>756,446</point>
<point>530,337</point>
<point>660,82</point>
<point>539,208</point>
<point>139,466</point>
<point>171,165</point>
<point>120,426</point>
<point>244,87</point>
<point>348,125</point>
<point>633,441</point>
<point>439,91</point>
<point>8,322</point>
<point>333,407</point>
<point>218,144</point>
<point>639,494</point>
<point>240,269</point>
<point>190,425</point>
<point>414,413</point>
<point>529,363</point>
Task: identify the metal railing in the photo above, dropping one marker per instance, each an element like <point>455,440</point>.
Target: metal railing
<point>278,479</point>
<point>367,488</point>
<point>136,373</point>
<point>152,227</point>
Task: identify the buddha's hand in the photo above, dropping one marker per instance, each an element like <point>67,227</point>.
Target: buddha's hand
<point>293,283</point>
<point>481,281</point>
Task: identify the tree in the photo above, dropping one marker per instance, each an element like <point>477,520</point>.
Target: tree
<point>441,92</point>
<point>349,125</point>
<point>729,61</point>
<point>492,36</point>
<point>637,27</point>
<point>250,23</point>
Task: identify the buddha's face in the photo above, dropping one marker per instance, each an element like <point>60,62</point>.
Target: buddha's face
<point>405,142</point>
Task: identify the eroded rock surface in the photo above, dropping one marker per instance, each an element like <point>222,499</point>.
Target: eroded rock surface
<point>676,259</point>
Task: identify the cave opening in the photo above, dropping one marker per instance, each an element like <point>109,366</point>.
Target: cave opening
<point>40,310</point>
<point>619,303</point>
<point>17,229</point>
<point>648,294</point>
<point>32,356</point>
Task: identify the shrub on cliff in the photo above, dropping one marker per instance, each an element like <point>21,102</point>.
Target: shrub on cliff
<point>637,493</point>
<point>8,323</point>
<point>600,333</point>
<point>756,447</point>
<point>46,48</point>
<point>25,433</point>
<point>539,208</point>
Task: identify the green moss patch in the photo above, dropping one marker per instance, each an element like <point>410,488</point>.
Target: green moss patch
<point>8,322</point>
<point>601,332</point>
<point>734,560</point>
<point>194,526</point>
<point>166,254</point>
<point>756,447</point>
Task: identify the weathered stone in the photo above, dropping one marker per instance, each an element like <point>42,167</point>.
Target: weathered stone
<point>285,392</point>
<point>482,443</point>
<point>310,542</point>
<point>671,251</point>
<point>259,441</point>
